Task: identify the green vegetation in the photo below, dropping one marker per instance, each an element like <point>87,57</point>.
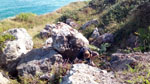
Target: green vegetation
<point>120,17</point>
<point>36,23</point>
<point>68,14</point>
<point>4,38</point>
<point>28,17</point>
<point>144,35</point>
<point>56,74</point>
<point>103,48</point>
<point>140,74</point>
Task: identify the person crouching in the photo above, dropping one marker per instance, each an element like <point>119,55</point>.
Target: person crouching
<point>86,56</point>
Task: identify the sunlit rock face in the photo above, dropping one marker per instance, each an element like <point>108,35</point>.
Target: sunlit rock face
<point>85,74</point>
<point>65,40</point>
<point>14,49</point>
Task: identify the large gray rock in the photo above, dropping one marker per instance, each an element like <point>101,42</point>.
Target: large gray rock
<point>46,32</point>
<point>105,38</point>
<point>95,34</point>
<point>38,61</point>
<point>64,42</point>
<point>85,74</point>
<point>120,61</point>
<point>67,40</point>
<point>14,49</point>
<point>3,80</point>
<point>89,23</point>
<point>71,23</point>
<point>48,43</point>
<point>133,41</point>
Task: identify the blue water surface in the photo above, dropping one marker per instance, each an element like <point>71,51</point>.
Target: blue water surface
<point>10,8</point>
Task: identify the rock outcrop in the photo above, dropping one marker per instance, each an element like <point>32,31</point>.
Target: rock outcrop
<point>85,74</point>
<point>3,80</point>
<point>71,23</point>
<point>46,32</point>
<point>105,38</point>
<point>95,34</point>
<point>133,41</point>
<point>66,40</point>
<point>120,61</point>
<point>95,22</point>
<point>14,49</point>
<point>64,43</point>
<point>38,61</point>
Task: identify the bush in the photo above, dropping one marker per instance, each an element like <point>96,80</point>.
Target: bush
<point>144,35</point>
<point>94,48</point>
<point>68,14</point>
<point>104,47</point>
<point>25,17</point>
<point>4,38</point>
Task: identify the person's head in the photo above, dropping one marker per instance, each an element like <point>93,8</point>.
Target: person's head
<point>86,54</point>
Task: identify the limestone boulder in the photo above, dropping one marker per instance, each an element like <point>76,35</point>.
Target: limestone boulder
<point>95,34</point>
<point>15,49</point>
<point>72,23</point>
<point>121,61</point>
<point>105,38</point>
<point>38,61</point>
<point>3,80</point>
<point>85,74</point>
<point>67,40</point>
<point>94,21</point>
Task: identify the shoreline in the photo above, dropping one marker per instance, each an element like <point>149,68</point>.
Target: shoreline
<point>43,13</point>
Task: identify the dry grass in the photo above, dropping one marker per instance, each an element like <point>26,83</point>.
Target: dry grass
<point>38,22</point>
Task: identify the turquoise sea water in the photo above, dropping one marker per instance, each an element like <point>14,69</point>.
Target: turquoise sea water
<point>10,8</point>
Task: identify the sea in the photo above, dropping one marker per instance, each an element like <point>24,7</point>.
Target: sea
<point>11,8</point>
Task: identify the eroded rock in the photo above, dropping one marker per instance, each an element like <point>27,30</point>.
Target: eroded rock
<point>105,38</point>
<point>95,34</point>
<point>85,74</point>
<point>67,40</point>
<point>38,61</point>
<point>133,41</point>
<point>3,80</point>
<point>64,42</point>
<point>72,23</point>
<point>14,49</point>
<point>46,32</point>
<point>120,61</point>
<point>89,23</point>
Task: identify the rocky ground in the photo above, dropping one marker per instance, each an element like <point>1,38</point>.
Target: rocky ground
<point>63,43</point>
<point>116,41</point>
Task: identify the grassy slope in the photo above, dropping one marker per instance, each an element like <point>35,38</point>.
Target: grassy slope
<point>37,23</point>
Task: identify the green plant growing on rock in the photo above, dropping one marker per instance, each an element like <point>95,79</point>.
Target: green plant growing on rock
<point>139,74</point>
<point>59,72</point>
<point>103,48</point>
<point>94,48</point>
<point>4,38</point>
<point>88,31</point>
<point>135,69</point>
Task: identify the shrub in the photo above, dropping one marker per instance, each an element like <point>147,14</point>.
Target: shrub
<point>60,72</point>
<point>94,48</point>
<point>104,47</point>
<point>88,31</point>
<point>4,38</point>
<point>144,35</point>
<point>25,17</point>
<point>68,14</point>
